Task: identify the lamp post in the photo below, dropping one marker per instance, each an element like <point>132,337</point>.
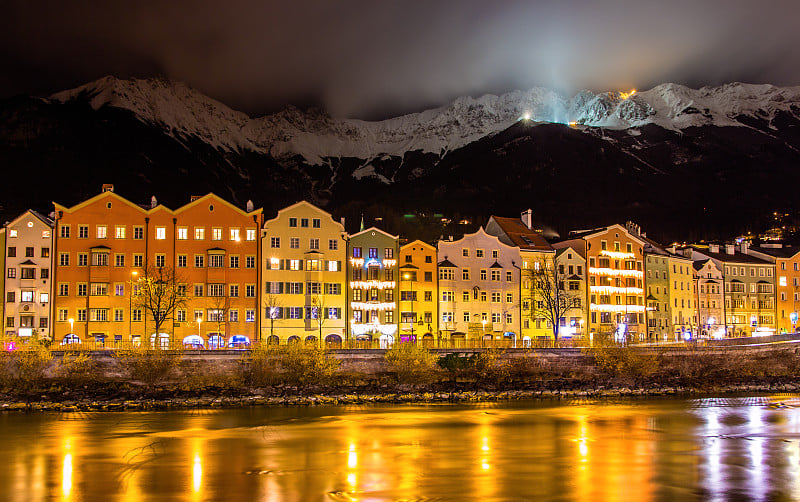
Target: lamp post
<point>199,322</point>
<point>71,322</point>
<point>130,306</point>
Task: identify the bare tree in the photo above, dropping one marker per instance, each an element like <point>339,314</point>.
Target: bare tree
<point>159,292</point>
<point>272,309</point>
<point>318,303</point>
<point>548,296</point>
<point>221,305</point>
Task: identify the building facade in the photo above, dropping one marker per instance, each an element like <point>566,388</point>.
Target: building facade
<point>479,288</point>
<point>28,288</point>
<point>419,308</point>
<point>710,301</point>
<point>373,289</point>
<point>304,270</point>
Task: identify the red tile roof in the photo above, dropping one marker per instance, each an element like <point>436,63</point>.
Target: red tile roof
<point>522,236</point>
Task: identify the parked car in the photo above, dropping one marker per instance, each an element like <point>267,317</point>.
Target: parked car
<point>239,342</point>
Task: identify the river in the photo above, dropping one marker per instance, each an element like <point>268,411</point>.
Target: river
<point>743,448</point>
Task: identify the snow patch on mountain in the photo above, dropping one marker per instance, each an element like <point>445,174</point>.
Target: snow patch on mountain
<point>315,136</point>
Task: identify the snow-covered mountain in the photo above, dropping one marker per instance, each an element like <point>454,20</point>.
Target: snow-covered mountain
<point>185,113</point>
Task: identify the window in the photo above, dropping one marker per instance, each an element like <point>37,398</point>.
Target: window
<point>45,273</point>
<point>29,252</point>
<point>216,290</point>
<point>275,242</point>
<point>333,288</point>
<point>180,290</point>
<point>199,233</point>
<point>465,317</point>
<point>119,260</point>
<point>99,259</point>
<point>160,260</point>
<point>479,253</point>
<point>333,244</point>
<point>373,252</point>
<point>199,261</point>
<point>292,222</point>
<point>12,252</point>
<point>9,322</point>
<point>136,315</point>
<point>82,289</point>
<point>315,223</point>
<point>138,232</point>
<point>63,289</point>
<point>250,315</point>
<point>216,315</point>
<point>509,277</point>
<point>101,231</point>
<point>234,234</point>
<point>233,290</point>
<point>234,315</point>
<point>314,288</point>
<point>495,317</point>
<point>509,298</point>
<point>294,243</point>
<point>250,290</point>
<point>333,266</point>
<point>198,290</point>
<point>496,275</point>
<point>303,222</point>
<point>495,297</point>
<point>64,231</point>
<point>45,252</point>
<point>26,296</point>
<point>182,260</point>
<point>447,317</point>
<point>483,274</point>
<point>465,274</point>
<point>119,290</point>
<point>82,315</point>
<point>356,252</point>
<point>99,289</point>
<point>183,233</point>
<point>180,315</point>
<point>295,312</point>
<point>83,231</point>
<point>294,265</point>
<point>83,259</point>
<point>465,253</point>
<point>63,315</point>
<point>216,234</point>
<point>233,262</point>
<point>388,253</point>
<point>313,243</point>
<point>494,253</point>
<point>250,262</point>
<point>448,296</point>
<point>28,273</point>
<point>447,274</point>
<point>138,260</point>
<point>11,273</point>
<point>99,314</point>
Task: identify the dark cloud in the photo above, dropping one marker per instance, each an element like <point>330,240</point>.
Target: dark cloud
<point>375,58</point>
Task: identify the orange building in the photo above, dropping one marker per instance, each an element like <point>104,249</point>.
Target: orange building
<point>419,305</point>
<point>105,244</point>
<point>787,292</point>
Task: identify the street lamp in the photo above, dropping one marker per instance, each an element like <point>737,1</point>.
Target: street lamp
<point>199,322</point>
<point>71,322</point>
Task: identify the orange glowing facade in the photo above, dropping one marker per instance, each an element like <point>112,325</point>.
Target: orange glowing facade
<point>106,244</point>
<point>418,291</point>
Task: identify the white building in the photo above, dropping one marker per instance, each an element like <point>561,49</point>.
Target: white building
<point>27,283</point>
<point>479,288</point>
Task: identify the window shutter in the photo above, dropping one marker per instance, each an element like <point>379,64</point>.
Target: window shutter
<point>339,265</point>
<point>267,287</point>
<point>280,288</point>
<point>301,264</point>
<point>301,287</point>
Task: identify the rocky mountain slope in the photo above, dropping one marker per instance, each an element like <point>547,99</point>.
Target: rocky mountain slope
<point>688,162</point>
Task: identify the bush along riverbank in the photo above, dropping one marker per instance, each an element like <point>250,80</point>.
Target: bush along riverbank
<point>35,378</point>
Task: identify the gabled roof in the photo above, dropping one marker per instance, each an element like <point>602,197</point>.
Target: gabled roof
<point>374,229</point>
<point>306,204</point>
<point>577,245</point>
<point>585,234</point>
<point>781,252</point>
<point>36,214</point>
<point>447,264</point>
<point>496,265</point>
<point>736,257</point>
<point>418,242</point>
<point>409,265</point>
<point>522,236</point>
<point>28,262</point>
<point>216,198</point>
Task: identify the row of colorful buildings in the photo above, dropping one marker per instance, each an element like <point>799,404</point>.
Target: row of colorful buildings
<point>300,276</point>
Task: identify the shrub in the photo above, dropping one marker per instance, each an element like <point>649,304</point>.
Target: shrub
<point>77,368</point>
<point>261,367</point>
<point>489,367</point>
<point>618,360</point>
<point>306,364</point>
<point>30,363</point>
<point>455,364</point>
<point>411,363</point>
<point>148,365</point>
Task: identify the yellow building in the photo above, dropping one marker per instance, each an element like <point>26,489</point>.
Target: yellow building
<point>303,297</point>
<point>787,270</point>
<point>418,305</point>
<point>682,298</point>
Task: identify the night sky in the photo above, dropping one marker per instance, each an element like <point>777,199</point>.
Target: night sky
<point>377,58</point>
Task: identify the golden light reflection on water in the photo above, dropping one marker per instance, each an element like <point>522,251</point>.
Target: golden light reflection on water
<point>679,450</point>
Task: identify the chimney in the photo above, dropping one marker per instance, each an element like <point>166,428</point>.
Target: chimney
<point>153,202</point>
<point>745,247</point>
<point>730,248</point>
<point>341,220</point>
<point>687,252</point>
<point>714,248</point>
<point>249,206</point>
<point>672,249</point>
<point>526,218</point>
<point>108,187</point>
<point>194,198</point>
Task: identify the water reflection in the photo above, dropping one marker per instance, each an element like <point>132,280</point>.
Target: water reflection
<point>714,449</point>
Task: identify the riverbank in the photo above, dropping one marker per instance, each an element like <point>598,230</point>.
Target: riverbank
<point>174,398</point>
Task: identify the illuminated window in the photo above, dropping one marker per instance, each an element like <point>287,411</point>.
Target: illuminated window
<point>119,231</point>
<point>161,233</point>
<point>234,234</point>
<point>183,233</point>
<point>250,234</point>
<point>199,233</point>
<point>102,231</point>
<point>216,234</point>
